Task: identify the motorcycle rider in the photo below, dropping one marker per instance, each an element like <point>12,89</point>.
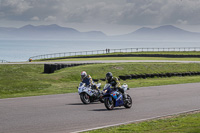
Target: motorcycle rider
<point>115,83</point>
<point>87,79</point>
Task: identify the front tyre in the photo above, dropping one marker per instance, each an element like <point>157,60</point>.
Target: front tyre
<point>85,98</point>
<point>109,103</point>
<point>128,103</point>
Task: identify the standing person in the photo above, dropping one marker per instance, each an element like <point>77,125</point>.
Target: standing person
<point>115,83</point>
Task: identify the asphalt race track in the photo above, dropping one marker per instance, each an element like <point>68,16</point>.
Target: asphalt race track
<point>65,113</point>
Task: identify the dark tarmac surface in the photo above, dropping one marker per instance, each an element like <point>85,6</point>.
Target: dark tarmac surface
<point>65,113</point>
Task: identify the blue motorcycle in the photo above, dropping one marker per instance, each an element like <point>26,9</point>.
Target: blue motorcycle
<point>113,98</point>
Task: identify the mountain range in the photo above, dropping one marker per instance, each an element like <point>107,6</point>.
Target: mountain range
<point>166,32</point>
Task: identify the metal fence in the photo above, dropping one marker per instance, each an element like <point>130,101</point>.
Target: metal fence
<point>124,50</point>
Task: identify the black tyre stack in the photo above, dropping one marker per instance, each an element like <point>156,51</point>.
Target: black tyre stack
<point>161,75</point>
<point>51,68</point>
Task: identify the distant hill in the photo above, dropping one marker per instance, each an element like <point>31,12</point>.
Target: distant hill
<point>48,32</point>
<point>167,32</point>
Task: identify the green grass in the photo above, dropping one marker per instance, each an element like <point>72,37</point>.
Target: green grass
<point>29,80</point>
<point>164,52</point>
<point>185,123</point>
<point>75,58</point>
<point>125,58</point>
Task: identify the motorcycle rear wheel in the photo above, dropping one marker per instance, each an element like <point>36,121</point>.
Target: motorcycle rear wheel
<point>85,98</point>
<point>128,103</point>
<point>109,104</point>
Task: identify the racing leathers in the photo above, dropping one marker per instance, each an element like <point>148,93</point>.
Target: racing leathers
<point>116,85</point>
<point>88,81</point>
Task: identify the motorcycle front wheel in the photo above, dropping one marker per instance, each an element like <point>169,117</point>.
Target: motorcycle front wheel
<point>128,103</point>
<point>109,103</point>
<point>85,98</point>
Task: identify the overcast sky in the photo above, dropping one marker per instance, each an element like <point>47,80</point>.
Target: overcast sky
<point>110,16</point>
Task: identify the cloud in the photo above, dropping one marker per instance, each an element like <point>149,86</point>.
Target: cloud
<point>14,7</point>
<point>50,18</point>
<point>35,18</point>
<point>121,12</point>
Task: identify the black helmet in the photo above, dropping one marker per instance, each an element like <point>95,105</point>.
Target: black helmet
<point>109,76</point>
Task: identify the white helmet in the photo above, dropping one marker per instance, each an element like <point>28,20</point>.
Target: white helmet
<point>83,74</point>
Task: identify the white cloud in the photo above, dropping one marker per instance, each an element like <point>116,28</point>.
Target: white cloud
<point>35,18</point>
<point>184,22</point>
<point>50,18</point>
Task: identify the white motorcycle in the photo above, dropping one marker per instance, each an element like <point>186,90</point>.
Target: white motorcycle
<point>88,95</point>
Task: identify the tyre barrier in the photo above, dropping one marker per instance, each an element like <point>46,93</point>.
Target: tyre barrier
<point>51,68</point>
<point>161,75</point>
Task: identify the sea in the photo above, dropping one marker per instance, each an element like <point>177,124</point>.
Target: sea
<point>22,50</point>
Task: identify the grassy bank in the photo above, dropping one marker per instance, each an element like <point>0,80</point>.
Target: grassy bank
<point>123,58</point>
<point>185,123</point>
<point>98,56</point>
<point>29,80</point>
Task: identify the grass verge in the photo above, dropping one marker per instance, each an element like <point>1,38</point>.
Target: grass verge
<point>98,56</point>
<point>184,123</point>
<point>29,80</point>
<point>125,58</point>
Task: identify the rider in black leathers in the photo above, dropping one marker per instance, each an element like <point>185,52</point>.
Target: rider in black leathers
<point>115,83</point>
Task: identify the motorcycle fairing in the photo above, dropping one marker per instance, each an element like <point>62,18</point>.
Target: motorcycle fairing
<point>119,101</point>
<point>114,94</point>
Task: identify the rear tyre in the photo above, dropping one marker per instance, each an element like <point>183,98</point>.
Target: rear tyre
<point>85,98</point>
<point>128,103</point>
<point>109,104</point>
